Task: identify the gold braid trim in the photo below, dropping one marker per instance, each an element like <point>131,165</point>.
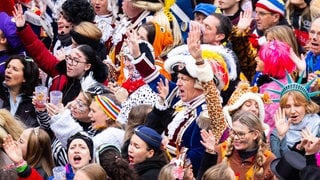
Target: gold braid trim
<point>214,106</point>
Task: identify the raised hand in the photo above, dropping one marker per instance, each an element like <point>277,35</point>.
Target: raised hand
<point>309,142</point>
<point>193,40</point>
<point>12,149</point>
<point>208,140</point>
<point>298,61</point>
<point>18,16</point>
<point>281,124</point>
<point>132,42</point>
<point>54,109</point>
<point>163,88</point>
<point>244,20</point>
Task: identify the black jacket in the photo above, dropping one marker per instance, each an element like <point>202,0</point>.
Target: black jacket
<point>26,112</point>
<point>150,168</point>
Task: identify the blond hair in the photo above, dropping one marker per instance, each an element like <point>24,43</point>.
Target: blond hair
<point>94,171</point>
<point>9,125</point>
<point>88,30</point>
<point>285,34</point>
<point>250,120</point>
<point>217,172</point>
<point>298,98</point>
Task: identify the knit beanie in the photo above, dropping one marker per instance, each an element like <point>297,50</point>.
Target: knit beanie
<point>108,106</point>
<point>275,6</point>
<point>85,137</point>
<point>149,136</point>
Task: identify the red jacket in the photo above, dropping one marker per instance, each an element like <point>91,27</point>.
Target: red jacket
<point>30,174</point>
<point>48,63</point>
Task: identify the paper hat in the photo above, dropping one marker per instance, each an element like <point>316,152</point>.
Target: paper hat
<point>206,9</point>
<point>108,106</point>
<point>148,135</point>
<point>275,6</point>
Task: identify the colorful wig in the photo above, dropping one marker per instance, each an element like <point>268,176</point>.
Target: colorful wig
<point>276,58</point>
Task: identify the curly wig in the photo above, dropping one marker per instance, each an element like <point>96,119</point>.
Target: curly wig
<point>276,57</point>
<point>76,11</point>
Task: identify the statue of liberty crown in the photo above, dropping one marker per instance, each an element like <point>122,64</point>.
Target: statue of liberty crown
<point>294,86</point>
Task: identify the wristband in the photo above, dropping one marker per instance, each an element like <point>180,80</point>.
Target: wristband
<point>20,163</point>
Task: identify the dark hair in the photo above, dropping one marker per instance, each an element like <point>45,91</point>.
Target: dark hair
<point>98,68</point>
<point>150,28</point>
<point>76,11</point>
<point>30,74</point>
<point>224,27</point>
<point>116,167</point>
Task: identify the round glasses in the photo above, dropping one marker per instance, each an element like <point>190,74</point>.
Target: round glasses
<point>73,60</point>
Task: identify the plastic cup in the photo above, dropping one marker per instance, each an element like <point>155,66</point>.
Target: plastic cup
<point>59,173</point>
<point>55,97</point>
<point>41,93</point>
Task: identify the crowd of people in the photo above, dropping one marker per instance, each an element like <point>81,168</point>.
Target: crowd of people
<point>152,89</point>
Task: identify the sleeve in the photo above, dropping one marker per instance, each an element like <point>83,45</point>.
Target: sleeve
<point>38,51</point>
<point>44,119</point>
<point>245,51</point>
<point>214,103</point>
<point>64,126</point>
<point>29,174</point>
<point>278,147</point>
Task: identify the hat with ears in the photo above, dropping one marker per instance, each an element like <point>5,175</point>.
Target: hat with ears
<point>9,30</point>
<point>242,93</point>
<point>151,5</point>
<point>206,9</point>
<point>148,135</point>
<point>288,166</point>
<point>108,106</point>
<point>275,6</point>
<point>85,137</point>
<point>221,64</point>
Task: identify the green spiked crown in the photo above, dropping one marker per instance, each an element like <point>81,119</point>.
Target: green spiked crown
<point>294,86</point>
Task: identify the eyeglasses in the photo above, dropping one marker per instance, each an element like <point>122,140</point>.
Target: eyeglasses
<point>262,14</point>
<point>73,60</point>
<point>240,134</point>
<point>80,105</point>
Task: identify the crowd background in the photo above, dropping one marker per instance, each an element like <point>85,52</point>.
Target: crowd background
<point>160,89</point>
